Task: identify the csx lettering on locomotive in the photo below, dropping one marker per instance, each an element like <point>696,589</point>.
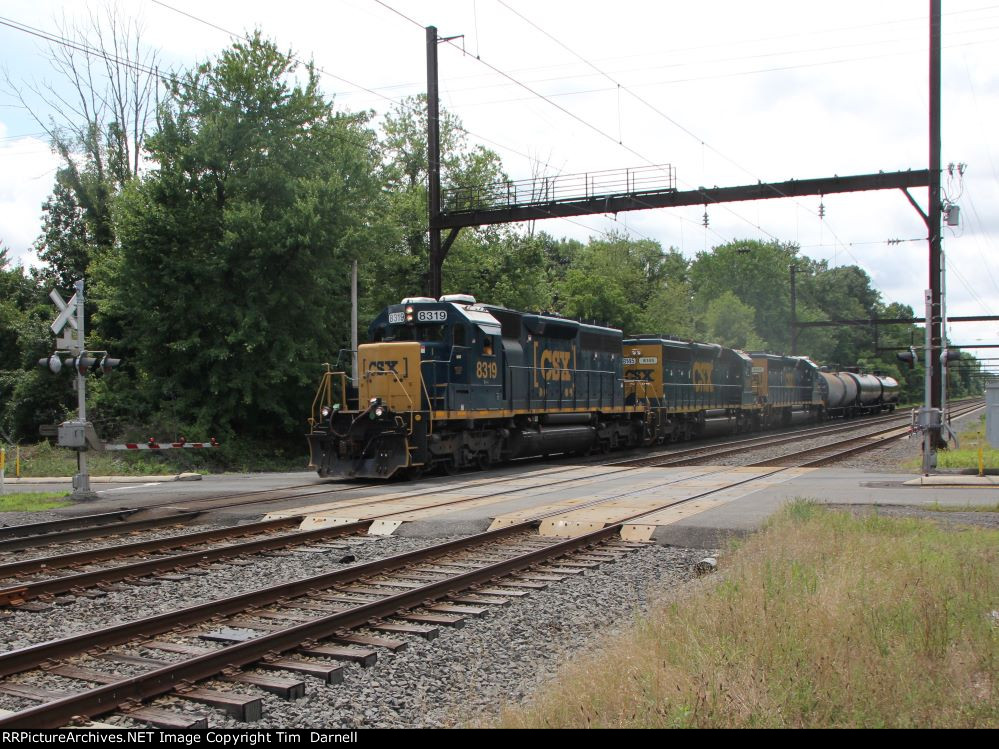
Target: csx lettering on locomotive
<point>555,365</point>
<point>389,365</point>
<point>701,376</point>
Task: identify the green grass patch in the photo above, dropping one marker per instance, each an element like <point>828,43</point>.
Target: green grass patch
<point>45,459</point>
<point>33,501</point>
<point>966,456</point>
<point>822,619</point>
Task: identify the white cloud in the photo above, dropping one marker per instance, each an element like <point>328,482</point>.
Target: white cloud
<point>27,169</point>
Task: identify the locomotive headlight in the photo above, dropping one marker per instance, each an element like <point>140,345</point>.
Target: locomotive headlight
<point>409,310</point>
<point>409,318</point>
<point>380,411</point>
<point>326,411</point>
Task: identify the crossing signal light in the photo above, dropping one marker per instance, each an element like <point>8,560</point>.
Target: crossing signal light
<point>952,355</point>
<point>52,363</point>
<point>908,357</point>
<point>107,364</point>
<point>84,363</point>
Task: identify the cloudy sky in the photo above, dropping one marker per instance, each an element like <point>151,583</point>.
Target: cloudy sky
<point>728,92</point>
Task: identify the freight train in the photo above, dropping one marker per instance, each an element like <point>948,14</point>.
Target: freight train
<point>448,384</point>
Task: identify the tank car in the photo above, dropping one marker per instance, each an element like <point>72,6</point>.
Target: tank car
<point>846,394</point>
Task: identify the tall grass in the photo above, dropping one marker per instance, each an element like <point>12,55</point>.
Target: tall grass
<point>821,620</point>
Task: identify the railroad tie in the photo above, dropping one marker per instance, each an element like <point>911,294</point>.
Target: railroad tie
<point>159,718</point>
<point>242,707</point>
<point>326,672</point>
<point>364,658</point>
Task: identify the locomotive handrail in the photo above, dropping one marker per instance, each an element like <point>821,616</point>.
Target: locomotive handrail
<point>326,387</point>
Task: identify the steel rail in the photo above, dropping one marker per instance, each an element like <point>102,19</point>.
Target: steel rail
<point>76,534</point>
<point>14,595</point>
<point>816,431</point>
<point>77,521</point>
<point>107,698</point>
<point>17,594</point>
<point>864,440</point>
<point>61,561</point>
<point>724,448</point>
<point>23,659</point>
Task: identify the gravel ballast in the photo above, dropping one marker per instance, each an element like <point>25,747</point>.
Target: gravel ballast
<point>467,674</point>
<point>463,676</point>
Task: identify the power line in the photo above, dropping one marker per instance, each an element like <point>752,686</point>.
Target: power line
<point>675,123</point>
<point>567,112</point>
<point>374,92</point>
<point>139,67</point>
<point>727,44</point>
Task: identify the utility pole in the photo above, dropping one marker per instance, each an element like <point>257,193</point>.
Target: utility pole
<point>794,311</point>
<point>353,325</point>
<point>434,166</point>
<point>935,383</point>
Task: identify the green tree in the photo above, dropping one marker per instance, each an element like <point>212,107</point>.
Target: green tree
<point>233,274</point>
<point>611,280</point>
<point>758,273</point>
<point>730,322</point>
<point>28,396</point>
<point>401,267</point>
<point>626,283</point>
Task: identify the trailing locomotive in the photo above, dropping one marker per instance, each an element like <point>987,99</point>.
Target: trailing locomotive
<point>452,384</point>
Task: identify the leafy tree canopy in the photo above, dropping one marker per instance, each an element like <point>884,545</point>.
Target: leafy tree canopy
<point>233,272</point>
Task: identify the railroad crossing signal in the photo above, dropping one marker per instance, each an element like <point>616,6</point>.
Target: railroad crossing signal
<point>77,434</point>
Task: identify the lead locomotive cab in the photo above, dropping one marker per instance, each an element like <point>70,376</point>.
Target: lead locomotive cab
<point>454,384</point>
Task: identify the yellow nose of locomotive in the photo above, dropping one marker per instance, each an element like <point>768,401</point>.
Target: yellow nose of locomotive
<point>390,372</point>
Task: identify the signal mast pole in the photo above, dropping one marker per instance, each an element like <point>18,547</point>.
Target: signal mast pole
<point>81,482</point>
<point>433,166</point>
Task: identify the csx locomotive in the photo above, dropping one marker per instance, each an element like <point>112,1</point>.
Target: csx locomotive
<point>451,384</point>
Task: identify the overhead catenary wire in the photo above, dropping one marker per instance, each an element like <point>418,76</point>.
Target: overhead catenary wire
<point>704,144</point>
<point>125,62</point>
<point>568,112</point>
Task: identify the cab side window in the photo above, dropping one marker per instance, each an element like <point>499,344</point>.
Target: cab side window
<point>458,335</point>
<point>487,346</point>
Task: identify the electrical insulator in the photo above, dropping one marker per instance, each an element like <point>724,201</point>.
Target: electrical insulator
<point>704,219</point>
<point>822,210</point>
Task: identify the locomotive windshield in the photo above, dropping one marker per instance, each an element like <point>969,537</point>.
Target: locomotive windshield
<point>424,332</point>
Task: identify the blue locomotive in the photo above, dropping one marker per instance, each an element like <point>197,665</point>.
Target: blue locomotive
<point>451,384</point>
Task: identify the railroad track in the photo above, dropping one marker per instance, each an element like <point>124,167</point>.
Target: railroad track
<point>169,513</point>
<point>288,628</point>
<point>703,455</point>
<point>272,536</point>
<point>311,625</point>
